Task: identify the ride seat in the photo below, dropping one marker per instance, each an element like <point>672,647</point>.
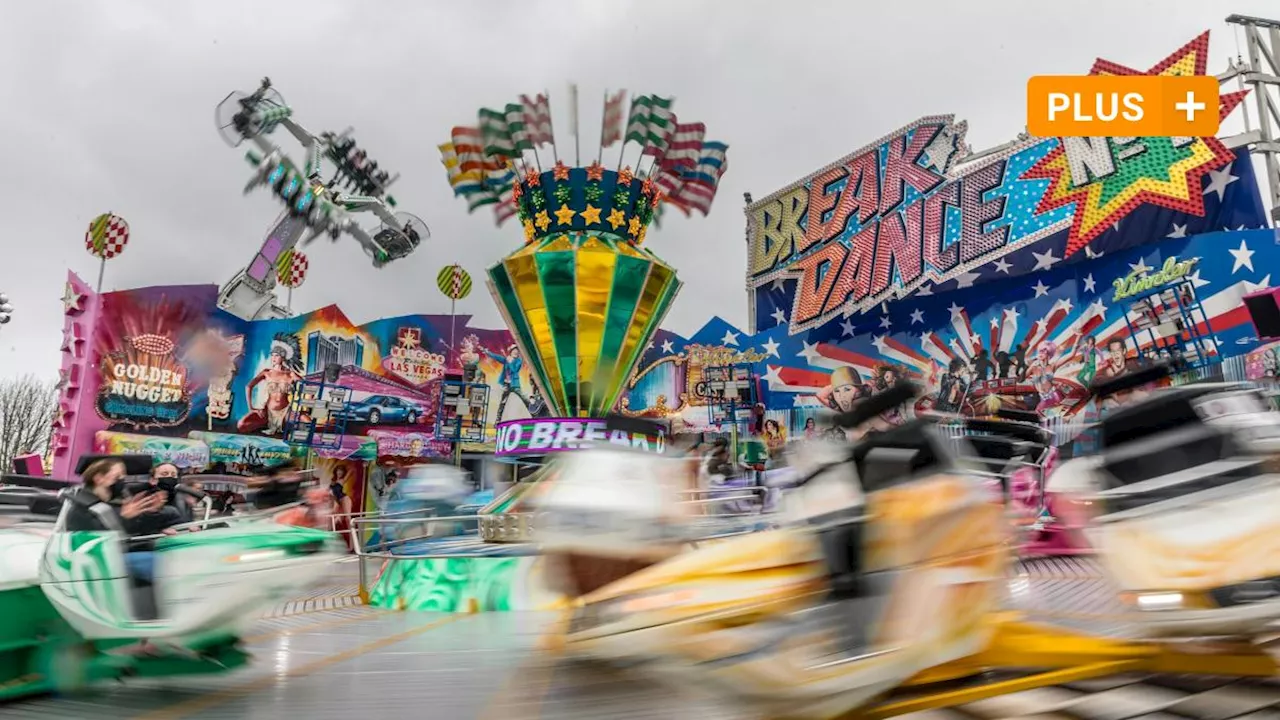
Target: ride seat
<point>895,456</point>
<point>1152,416</point>
<point>1166,453</point>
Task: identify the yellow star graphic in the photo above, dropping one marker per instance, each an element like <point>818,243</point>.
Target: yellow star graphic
<point>640,237</point>
<point>634,227</point>
<point>564,215</point>
<point>528,230</point>
<point>617,219</point>
<point>542,220</point>
<point>591,215</point>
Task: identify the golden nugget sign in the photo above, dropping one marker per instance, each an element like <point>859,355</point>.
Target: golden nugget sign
<point>903,213</point>
<point>410,361</point>
<point>144,385</point>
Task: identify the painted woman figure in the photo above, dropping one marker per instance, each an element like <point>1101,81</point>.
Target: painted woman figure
<point>284,367</point>
<point>470,358</point>
<point>1087,354</point>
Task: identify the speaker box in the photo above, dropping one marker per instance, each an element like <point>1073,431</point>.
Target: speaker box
<point>331,372</point>
<point>1264,311</point>
<point>28,465</point>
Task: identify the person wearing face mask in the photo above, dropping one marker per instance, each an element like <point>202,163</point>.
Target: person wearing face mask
<point>163,484</point>
<point>99,506</point>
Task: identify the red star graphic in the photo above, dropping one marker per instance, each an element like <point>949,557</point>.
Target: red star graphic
<point>1190,59</point>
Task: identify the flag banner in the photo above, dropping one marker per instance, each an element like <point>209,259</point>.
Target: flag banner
<point>612,122</point>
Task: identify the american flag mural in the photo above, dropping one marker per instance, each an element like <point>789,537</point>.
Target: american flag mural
<point>1033,342</point>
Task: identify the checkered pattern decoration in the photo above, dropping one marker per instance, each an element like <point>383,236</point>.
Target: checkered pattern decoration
<point>291,268</point>
<point>454,282</point>
<point>107,235</point>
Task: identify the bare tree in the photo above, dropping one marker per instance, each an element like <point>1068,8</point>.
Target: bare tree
<point>27,406</point>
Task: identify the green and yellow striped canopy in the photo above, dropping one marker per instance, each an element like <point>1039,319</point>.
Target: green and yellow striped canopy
<point>582,308</point>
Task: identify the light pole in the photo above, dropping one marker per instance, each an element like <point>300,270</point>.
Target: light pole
<point>6,310</point>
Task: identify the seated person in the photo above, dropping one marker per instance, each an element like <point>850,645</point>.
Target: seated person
<point>98,506</point>
<point>173,510</point>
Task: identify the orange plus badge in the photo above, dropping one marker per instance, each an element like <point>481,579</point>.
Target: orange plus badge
<point>1122,106</point>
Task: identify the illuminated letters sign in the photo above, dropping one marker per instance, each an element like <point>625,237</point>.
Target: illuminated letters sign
<point>144,385</point>
<point>1142,280</point>
<point>410,361</point>
<point>542,436</point>
<point>911,209</point>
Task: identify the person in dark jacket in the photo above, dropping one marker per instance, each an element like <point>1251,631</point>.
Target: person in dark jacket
<point>99,506</point>
<point>164,482</point>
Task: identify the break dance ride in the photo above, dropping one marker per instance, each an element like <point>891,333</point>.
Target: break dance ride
<point>80,608</point>
<point>889,575</point>
<point>313,206</point>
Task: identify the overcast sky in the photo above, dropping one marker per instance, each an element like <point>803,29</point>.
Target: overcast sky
<point>109,106</point>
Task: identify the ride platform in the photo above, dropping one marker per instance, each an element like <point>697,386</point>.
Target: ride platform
<point>325,656</point>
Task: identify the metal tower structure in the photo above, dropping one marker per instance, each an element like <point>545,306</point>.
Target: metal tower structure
<point>1259,70</point>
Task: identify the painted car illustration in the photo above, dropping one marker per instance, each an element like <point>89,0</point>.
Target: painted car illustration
<point>378,409</point>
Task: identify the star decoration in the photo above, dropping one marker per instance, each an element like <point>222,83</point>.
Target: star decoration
<point>730,338</point>
<point>965,280</point>
<point>1139,268</point>
<point>772,376</point>
<point>542,221</point>
<point>1045,260</point>
<point>591,215</point>
<point>1089,283</point>
<point>71,338</point>
<point>1253,287</point>
<point>538,199</point>
<point>666,347</point>
<point>593,192</point>
<point>565,215</point>
<point>616,218</point>
<point>779,316</point>
<point>621,198</point>
<point>776,284</point>
<point>1040,288</point>
<point>846,328</point>
<point>1179,231</point>
<point>517,191</point>
<point>1167,173</point>
<point>1196,280</point>
<point>625,176</point>
<point>72,300</point>
<point>917,316</point>
<point>1218,182</point>
<point>925,290</point>
<point>995,323</point>
<point>770,348</point>
<point>532,178</point>
<point>640,238</point>
<point>595,171</point>
<point>560,171</point>
<point>562,193</point>
<point>62,417</point>
<point>528,231</point>
<point>885,322</point>
<point>955,311</point>
<point>633,228</point>
<point>1003,265</point>
<point>809,352</point>
<point>1243,258</point>
<point>648,187</point>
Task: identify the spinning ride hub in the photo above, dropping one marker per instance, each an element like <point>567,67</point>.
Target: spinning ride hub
<point>582,296</point>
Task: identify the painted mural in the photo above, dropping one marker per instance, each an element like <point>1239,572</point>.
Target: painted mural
<point>1011,344</point>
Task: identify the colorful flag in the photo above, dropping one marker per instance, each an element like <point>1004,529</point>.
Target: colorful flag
<point>462,182</point>
<point>650,122</point>
<point>694,188</point>
<point>685,145</point>
<point>611,127</point>
<point>503,132</point>
<point>537,119</point>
